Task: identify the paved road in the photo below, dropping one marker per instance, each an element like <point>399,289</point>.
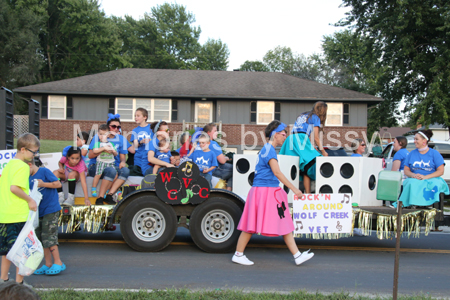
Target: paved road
<point>109,263</point>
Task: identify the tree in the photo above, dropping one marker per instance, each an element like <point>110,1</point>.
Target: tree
<point>213,55</point>
<point>177,42</point>
<point>19,40</point>
<point>254,66</point>
<point>78,40</point>
<point>411,40</point>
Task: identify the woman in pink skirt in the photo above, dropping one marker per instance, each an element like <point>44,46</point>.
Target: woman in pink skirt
<point>266,210</point>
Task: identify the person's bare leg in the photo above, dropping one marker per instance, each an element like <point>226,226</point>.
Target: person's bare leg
<point>290,243</point>
<point>106,184</point>
<point>115,186</point>
<point>19,278</point>
<point>48,257</point>
<point>54,250</point>
<point>307,184</point>
<point>6,264</point>
<point>244,238</point>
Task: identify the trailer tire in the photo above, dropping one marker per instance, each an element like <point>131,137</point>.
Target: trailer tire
<point>213,225</point>
<point>148,224</point>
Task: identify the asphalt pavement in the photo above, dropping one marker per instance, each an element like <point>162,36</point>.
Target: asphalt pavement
<point>357,265</point>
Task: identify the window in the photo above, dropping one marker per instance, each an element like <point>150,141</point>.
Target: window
<point>265,112</point>
<point>158,109</point>
<point>346,116</point>
<point>112,106</point>
<point>69,108</point>
<point>57,107</point>
<point>44,107</point>
<point>174,110</point>
<point>253,112</point>
<point>278,111</point>
<point>334,114</point>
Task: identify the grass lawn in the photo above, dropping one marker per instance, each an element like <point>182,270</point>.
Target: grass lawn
<point>50,146</point>
<point>202,295</point>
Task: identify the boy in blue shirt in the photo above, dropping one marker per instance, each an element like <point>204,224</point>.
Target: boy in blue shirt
<point>205,158</point>
<point>162,153</point>
<point>49,210</point>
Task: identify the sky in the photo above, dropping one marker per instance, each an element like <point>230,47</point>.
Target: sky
<point>251,28</point>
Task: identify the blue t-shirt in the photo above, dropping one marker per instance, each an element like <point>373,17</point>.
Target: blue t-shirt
<point>424,164</point>
<point>49,202</point>
<point>264,176</point>
<point>204,160</point>
<point>401,156</point>
<point>143,163</point>
<point>356,155</point>
<point>215,148</point>
<point>119,141</point>
<point>141,133</point>
<point>304,125</point>
<point>163,156</point>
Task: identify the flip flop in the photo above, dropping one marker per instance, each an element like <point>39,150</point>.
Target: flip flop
<point>55,269</point>
<point>41,270</point>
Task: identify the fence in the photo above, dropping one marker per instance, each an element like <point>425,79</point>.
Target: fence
<point>20,125</point>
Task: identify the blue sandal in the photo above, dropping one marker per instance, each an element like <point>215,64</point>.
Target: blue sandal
<point>41,270</point>
<point>55,269</point>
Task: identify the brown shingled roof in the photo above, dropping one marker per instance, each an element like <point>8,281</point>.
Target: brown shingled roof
<point>195,83</point>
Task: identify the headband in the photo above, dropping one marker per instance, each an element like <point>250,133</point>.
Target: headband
<point>423,134</point>
<point>155,130</point>
<point>280,127</point>
<point>198,132</point>
<point>113,117</point>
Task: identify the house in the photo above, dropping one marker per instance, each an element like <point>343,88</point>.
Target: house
<point>388,134</point>
<point>440,132</point>
<point>245,102</point>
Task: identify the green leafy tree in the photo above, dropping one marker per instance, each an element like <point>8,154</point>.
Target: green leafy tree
<point>78,40</point>
<point>19,40</point>
<point>177,42</point>
<point>254,66</point>
<point>411,40</point>
<point>213,55</point>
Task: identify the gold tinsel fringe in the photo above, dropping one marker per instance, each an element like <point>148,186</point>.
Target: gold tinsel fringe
<point>386,224</point>
<point>94,218</point>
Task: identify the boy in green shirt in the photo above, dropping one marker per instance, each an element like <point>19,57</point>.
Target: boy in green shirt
<point>15,203</point>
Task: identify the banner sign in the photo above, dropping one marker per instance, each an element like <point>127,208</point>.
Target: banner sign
<point>5,157</point>
<point>322,213</point>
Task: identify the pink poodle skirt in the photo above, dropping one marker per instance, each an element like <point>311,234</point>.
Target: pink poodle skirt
<point>266,212</point>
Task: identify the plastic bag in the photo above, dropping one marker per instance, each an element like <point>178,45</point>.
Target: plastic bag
<point>27,251</point>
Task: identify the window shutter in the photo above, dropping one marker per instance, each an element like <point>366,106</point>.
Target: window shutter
<point>112,108</point>
<point>69,107</point>
<point>174,110</point>
<point>253,112</point>
<point>44,107</point>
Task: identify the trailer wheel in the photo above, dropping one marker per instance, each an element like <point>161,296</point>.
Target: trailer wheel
<point>148,224</point>
<point>213,225</point>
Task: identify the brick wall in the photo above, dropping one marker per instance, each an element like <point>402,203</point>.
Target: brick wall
<point>234,134</point>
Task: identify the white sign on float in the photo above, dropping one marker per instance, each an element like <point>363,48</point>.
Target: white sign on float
<point>322,213</point>
<point>5,157</point>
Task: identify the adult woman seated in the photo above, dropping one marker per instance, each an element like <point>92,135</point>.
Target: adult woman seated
<point>120,171</point>
<point>398,161</point>
<point>358,146</point>
<point>423,166</point>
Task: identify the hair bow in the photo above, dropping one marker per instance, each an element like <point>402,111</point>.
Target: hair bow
<point>197,133</point>
<point>113,117</point>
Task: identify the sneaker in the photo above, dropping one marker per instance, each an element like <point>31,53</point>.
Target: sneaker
<point>304,257</point>
<point>70,201</point>
<point>61,197</point>
<point>99,201</point>
<point>26,284</point>
<point>242,260</point>
<point>94,192</point>
<point>109,200</point>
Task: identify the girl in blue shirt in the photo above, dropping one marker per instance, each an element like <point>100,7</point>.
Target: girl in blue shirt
<point>424,167</point>
<point>266,209</point>
<point>398,161</point>
<point>141,136</point>
<point>298,143</point>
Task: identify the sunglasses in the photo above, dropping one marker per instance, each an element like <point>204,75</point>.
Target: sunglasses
<point>363,145</point>
<point>35,153</point>
<point>115,126</point>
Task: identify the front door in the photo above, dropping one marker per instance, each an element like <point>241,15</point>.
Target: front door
<point>203,111</point>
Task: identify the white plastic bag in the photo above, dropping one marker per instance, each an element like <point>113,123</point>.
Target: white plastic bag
<point>27,251</point>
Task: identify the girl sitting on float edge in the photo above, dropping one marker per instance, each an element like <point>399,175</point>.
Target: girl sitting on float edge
<point>424,167</point>
<point>266,210</point>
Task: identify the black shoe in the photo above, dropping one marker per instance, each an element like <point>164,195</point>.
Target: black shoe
<point>99,201</point>
<point>109,200</point>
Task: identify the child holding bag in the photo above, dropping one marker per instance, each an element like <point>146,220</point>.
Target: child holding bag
<point>15,203</point>
<point>49,210</point>
<point>266,210</point>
